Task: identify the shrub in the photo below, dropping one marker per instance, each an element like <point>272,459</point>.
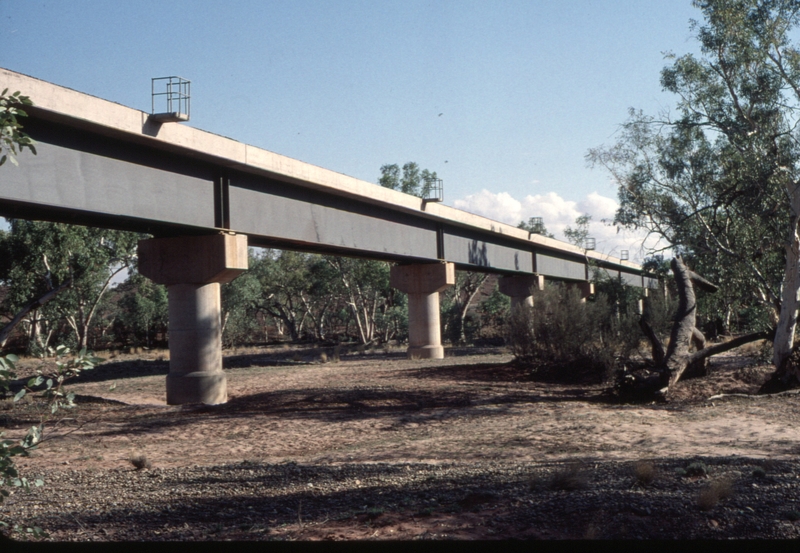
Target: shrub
<point>565,333</point>
<point>140,462</point>
<point>570,478</point>
<point>707,499</point>
<point>697,469</point>
<point>521,335</point>
<point>714,492</point>
<point>645,472</point>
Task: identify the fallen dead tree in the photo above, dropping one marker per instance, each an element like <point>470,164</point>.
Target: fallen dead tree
<point>678,359</point>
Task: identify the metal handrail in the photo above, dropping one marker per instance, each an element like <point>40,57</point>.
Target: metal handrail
<point>177,91</point>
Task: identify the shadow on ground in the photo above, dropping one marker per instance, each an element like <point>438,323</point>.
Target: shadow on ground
<point>258,501</point>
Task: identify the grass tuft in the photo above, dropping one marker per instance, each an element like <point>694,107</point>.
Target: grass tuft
<point>140,462</point>
<point>644,472</point>
<point>570,478</point>
<point>697,469</point>
<point>714,493</point>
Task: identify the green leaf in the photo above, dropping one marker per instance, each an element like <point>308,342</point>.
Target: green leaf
<point>33,437</point>
<point>19,395</point>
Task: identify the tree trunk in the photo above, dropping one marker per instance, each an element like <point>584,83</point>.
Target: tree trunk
<point>787,320</point>
<point>682,330</point>
<point>27,308</point>
<point>678,360</point>
<point>471,293</point>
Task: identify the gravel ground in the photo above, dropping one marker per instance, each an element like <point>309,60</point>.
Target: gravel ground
<point>252,501</point>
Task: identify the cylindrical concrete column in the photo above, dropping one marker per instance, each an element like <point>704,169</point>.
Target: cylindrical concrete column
<point>424,335</point>
<point>192,267</point>
<point>195,340</point>
<point>423,283</point>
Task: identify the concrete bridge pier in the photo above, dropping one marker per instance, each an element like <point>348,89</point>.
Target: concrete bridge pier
<point>192,268</point>
<point>423,283</point>
<point>520,289</point>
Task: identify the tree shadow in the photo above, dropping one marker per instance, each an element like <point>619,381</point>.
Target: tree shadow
<point>398,406</point>
<point>116,370</point>
<point>513,373</point>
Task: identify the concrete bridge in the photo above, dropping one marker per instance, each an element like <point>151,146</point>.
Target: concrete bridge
<point>205,197</point>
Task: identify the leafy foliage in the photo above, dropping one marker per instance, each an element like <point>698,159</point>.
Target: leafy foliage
<point>12,140</point>
<point>579,234</point>
<point>38,257</point>
<point>412,180</point>
<point>56,398</point>
<point>567,337</point>
<point>459,325</point>
<point>308,296</point>
<point>718,183</point>
<point>143,310</point>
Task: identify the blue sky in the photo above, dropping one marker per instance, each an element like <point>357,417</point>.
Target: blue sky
<point>502,99</point>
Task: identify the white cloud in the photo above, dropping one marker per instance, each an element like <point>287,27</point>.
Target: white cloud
<point>557,214</point>
<point>599,207</point>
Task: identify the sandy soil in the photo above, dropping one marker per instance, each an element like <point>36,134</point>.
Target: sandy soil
<point>289,408</point>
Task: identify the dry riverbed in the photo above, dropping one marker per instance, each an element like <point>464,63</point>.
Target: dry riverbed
<point>376,446</point>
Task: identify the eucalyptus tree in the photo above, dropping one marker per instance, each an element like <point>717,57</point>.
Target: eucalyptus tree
<point>457,301</point>
<point>143,309</point>
<point>240,300</point>
<point>579,234</point>
<point>78,262</point>
<point>412,180</point>
<point>719,181</point>
<point>363,286</point>
<point>284,283</point>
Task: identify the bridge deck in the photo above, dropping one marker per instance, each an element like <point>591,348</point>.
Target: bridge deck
<point>101,163</point>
